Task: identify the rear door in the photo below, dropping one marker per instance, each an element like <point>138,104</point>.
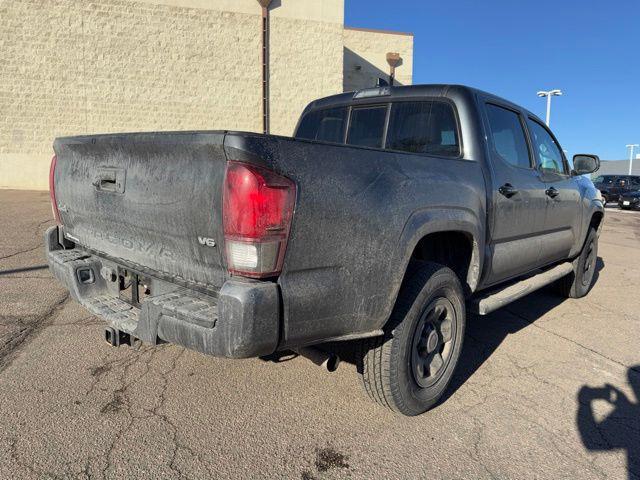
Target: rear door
<point>518,197</point>
<point>563,214</point>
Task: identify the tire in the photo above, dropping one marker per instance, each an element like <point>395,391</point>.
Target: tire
<point>578,283</point>
<point>400,370</point>
<point>605,199</point>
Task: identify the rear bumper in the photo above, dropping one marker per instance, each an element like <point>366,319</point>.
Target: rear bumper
<point>242,321</point>
<point>633,203</point>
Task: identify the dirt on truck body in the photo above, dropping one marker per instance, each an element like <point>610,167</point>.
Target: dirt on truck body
<point>389,213</point>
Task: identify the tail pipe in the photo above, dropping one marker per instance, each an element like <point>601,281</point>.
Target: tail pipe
<point>328,360</point>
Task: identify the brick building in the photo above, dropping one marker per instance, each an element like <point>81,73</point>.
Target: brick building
<point>77,66</point>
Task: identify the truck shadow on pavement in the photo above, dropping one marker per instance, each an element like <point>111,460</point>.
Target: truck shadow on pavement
<point>484,334</point>
<point>620,428</point>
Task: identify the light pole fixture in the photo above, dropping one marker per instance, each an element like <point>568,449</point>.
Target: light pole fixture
<point>393,59</point>
<point>631,147</point>
<point>549,94</point>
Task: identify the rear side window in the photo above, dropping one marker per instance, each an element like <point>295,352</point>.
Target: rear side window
<point>423,127</point>
<point>508,136</point>
<point>366,126</point>
<point>324,125</point>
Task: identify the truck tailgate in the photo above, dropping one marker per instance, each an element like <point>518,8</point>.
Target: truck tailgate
<point>151,199</point>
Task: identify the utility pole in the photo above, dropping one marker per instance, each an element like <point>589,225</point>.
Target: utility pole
<point>549,94</point>
<point>631,147</point>
<point>265,64</point>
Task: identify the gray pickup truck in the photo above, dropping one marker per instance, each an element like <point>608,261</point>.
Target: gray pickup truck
<point>389,214</point>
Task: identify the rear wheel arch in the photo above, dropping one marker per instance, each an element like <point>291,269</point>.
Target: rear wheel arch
<point>596,219</point>
<point>456,249</point>
<point>438,225</point>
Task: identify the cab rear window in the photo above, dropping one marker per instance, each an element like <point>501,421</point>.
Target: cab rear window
<point>427,127</point>
<point>367,126</point>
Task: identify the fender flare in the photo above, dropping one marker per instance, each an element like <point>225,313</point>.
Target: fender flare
<point>430,220</point>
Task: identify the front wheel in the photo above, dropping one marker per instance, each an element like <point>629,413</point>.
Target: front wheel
<point>578,282</point>
<point>409,368</point>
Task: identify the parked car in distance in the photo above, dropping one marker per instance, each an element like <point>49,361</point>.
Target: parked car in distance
<point>391,213</point>
<point>630,200</point>
<point>612,186</point>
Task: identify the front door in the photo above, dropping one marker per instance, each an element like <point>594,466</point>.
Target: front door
<point>518,198</point>
<point>562,218</point>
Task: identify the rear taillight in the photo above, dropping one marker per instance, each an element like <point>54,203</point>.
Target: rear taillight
<point>52,190</point>
<point>257,211</point>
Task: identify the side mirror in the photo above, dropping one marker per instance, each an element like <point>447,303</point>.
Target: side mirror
<point>584,164</point>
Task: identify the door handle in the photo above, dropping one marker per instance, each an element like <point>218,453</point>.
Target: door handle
<point>552,192</point>
<point>508,190</point>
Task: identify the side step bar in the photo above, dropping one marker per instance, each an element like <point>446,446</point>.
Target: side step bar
<point>492,300</point>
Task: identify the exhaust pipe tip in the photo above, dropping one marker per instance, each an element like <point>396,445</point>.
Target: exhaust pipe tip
<point>328,360</point>
<point>332,363</point>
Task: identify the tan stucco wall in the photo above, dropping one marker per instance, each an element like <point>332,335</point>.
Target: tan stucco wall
<point>331,11</point>
<point>71,67</point>
<point>365,57</point>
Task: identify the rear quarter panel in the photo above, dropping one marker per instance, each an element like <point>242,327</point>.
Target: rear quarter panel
<point>359,214</point>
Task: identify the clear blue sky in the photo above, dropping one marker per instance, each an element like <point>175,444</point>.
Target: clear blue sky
<point>590,49</point>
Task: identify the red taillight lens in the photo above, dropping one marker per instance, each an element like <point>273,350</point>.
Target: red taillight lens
<point>257,211</point>
<point>52,190</point>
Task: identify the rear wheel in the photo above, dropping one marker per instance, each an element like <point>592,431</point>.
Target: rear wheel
<point>578,283</point>
<point>605,199</point>
<point>409,368</point>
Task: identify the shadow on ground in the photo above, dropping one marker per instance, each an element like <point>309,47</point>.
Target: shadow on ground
<point>620,429</point>
<point>485,334</point>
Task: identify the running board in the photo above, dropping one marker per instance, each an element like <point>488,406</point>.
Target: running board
<point>492,300</point>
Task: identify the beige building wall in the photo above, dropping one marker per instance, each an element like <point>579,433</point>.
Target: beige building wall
<point>70,67</point>
<point>365,57</point>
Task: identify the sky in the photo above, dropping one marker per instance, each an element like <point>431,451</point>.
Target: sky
<point>513,48</point>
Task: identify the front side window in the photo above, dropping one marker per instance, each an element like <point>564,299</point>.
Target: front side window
<point>547,151</point>
<point>366,126</point>
<point>508,136</point>
<point>324,125</point>
<point>423,127</point>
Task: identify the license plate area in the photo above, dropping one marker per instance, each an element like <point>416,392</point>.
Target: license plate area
<point>626,202</point>
<point>133,287</point>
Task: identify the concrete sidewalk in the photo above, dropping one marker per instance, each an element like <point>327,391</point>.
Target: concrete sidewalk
<point>547,389</point>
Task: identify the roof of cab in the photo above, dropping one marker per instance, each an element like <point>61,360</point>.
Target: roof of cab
<point>426,90</point>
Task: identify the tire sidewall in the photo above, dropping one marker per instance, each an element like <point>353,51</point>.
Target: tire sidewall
<point>415,399</point>
<point>580,288</point>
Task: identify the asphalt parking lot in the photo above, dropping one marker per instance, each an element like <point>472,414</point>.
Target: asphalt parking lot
<point>547,388</point>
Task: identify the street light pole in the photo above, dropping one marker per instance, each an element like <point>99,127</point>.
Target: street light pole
<point>631,147</point>
<point>549,94</point>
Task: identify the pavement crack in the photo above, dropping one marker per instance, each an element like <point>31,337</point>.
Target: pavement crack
<point>595,352</point>
<point>29,330</point>
<point>20,252</point>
